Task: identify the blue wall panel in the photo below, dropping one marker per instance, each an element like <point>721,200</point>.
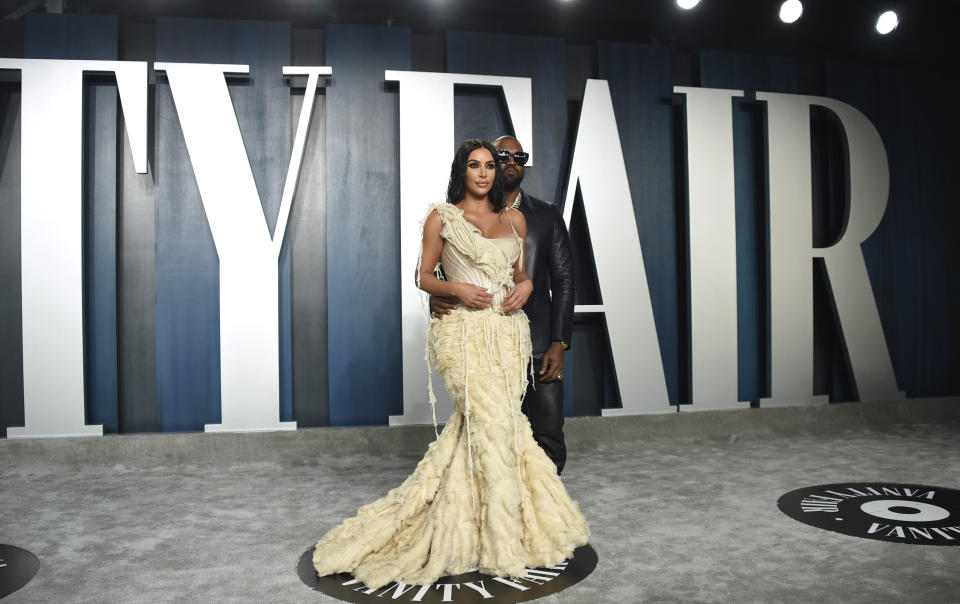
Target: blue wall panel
<point>11,333</point>
<point>93,37</point>
<point>70,36</point>
<point>912,257</point>
<point>363,217</point>
<point>187,276</point>
<point>750,73</point>
<point>641,85</point>
<point>308,249</point>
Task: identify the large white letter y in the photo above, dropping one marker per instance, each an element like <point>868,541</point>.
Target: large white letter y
<point>249,275</point>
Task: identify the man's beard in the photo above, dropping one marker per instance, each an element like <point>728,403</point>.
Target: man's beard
<point>512,180</point>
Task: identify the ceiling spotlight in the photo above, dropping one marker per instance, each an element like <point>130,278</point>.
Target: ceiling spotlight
<point>887,22</point>
<point>687,4</point>
<point>790,11</point>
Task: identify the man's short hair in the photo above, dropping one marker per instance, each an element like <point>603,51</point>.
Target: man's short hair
<point>497,140</point>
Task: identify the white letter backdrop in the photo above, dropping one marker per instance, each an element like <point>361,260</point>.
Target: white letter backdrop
<point>51,232</point>
<point>51,211</point>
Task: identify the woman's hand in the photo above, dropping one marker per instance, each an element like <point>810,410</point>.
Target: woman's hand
<point>473,296</point>
<point>517,296</point>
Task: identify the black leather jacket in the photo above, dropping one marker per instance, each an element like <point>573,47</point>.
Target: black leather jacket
<point>550,267</point>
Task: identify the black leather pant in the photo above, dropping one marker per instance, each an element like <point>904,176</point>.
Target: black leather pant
<point>543,406</point>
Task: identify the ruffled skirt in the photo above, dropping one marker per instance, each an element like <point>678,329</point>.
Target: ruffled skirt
<point>485,496</point>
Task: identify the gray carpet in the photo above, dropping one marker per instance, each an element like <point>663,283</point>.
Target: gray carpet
<point>682,509</point>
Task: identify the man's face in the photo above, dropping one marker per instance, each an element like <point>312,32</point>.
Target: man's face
<point>512,173</point>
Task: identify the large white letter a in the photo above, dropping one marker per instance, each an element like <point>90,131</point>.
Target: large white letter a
<point>598,167</point>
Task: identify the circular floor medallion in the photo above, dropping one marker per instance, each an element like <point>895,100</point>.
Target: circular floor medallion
<point>902,513</point>
<point>17,567</point>
<point>467,588</point>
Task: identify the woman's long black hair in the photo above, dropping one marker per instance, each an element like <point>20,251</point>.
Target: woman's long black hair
<point>456,189</point>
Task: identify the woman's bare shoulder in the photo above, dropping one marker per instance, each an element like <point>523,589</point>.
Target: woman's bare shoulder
<point>434,217</point>
<point>516,216</point>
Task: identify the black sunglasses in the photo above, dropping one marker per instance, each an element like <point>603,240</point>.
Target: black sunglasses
<point>503,156</point>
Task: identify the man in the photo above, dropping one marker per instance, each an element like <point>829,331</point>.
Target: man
<point>549,308</point>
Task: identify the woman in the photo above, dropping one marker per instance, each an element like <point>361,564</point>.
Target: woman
<point>484,496</point>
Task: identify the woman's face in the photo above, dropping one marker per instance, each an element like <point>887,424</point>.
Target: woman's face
<point>481,169</point>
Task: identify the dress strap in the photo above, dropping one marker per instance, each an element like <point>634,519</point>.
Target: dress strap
<point>515,234</point>
<point>513,228</point>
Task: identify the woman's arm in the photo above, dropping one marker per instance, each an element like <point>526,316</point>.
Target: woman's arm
<point>469,294</point>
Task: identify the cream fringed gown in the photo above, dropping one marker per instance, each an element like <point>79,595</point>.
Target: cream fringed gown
<point>484,496</point>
